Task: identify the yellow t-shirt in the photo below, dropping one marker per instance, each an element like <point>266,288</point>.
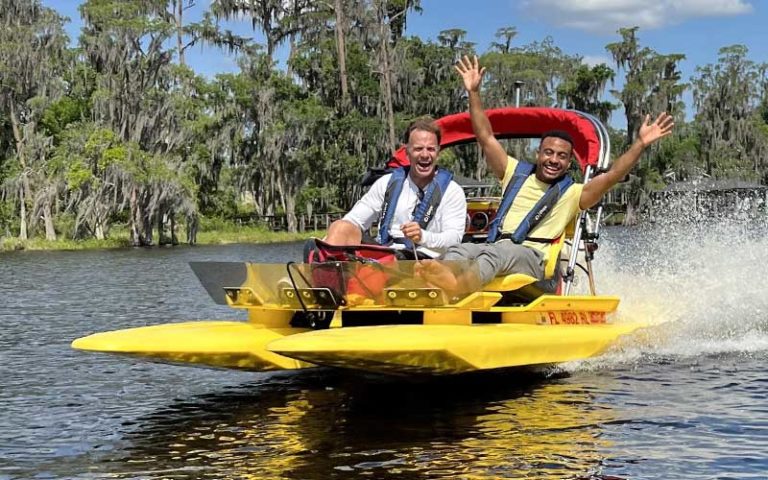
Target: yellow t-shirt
<point>553,225</point>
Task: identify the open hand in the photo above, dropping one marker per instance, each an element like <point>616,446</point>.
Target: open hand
<point>661,127</point>
<point>470,72</point>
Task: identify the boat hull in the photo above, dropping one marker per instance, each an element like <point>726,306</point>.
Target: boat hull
<point>221,344</point>
<point>449,349</point>
<point>407,327</point>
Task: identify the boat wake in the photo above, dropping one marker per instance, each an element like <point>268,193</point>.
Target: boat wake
<point>702,286</point>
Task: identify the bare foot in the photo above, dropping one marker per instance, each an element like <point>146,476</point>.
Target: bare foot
<point>437,274</point>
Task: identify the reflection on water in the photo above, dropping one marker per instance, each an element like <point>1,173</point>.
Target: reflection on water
<point>331,425</point>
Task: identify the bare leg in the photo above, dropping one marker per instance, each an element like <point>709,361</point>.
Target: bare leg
<point>454,279</point>
<point>342,232</point>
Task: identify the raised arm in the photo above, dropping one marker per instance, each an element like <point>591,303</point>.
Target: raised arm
<point>647,135</point>
<point>495,155</point>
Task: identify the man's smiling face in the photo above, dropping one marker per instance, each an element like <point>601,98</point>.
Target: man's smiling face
<point>553,159</point>
<point>422,149</point>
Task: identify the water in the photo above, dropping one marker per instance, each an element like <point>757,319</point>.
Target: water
<point>685,400</point>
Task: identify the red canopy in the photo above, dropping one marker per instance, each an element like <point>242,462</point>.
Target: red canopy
<point>523,122</point>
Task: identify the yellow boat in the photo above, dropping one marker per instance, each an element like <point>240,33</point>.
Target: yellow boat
<point>413,328</point>
<point>380,316</point>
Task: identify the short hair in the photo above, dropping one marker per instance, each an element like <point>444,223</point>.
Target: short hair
<point>425,123</point>
<point>561,134</point>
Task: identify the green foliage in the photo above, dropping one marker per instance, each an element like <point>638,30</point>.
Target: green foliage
<point>61,114</point>
<point>729,96</point>
<point>125,136</point>
<point>540,66</point>
<point>8,218</point>
<point>652,178</point>
<point>652,85</point>
<point>763,111</point>
<point>134,16</point>
<point>678,157</point>
<point>429,79</point>
<point>450,160</point>
<point>652,80</point>
<point>78,174</point>
<point>583,89</point>
<point>234,233</point>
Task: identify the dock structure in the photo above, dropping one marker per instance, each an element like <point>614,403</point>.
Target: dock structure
<point>707,198</point>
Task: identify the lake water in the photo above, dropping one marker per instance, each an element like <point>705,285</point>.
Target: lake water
<point>687,399</point>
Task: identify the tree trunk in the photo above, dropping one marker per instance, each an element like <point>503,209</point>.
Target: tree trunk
<point>161,218</point>
<point>630,217</point>
<point>174,239</point>
<point>633,121</point>
<point>50,231</point>
<point>341,52</point>
<point>17,136</point>
<point>386,78</point>
<point>191,229</point>
<point>389,110</point>
<point>135,219</point>
<point>481,168</point>
<point>179,30</point>
<point>290,213</point>
<point>23,192</point>
<point>146,228</point>
<point>22,212</point>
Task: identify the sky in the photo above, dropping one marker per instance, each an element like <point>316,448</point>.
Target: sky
<point>695,28</point>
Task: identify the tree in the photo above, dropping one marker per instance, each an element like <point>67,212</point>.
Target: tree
<point>583,90</point>
<point>341,51</point>
<point>137,90</point>
<point>390,16</point>
<point>206,31</point>
<point>541,66</point>
<point>32,41</point>
<point>727,99</point>
<point>277,19</point>
<point>506,35</point>
<point>652,85</point>
<point>651,80</point>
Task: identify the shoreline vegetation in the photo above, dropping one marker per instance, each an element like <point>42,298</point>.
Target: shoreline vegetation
<point>121,239</point>
<point>81,158</point>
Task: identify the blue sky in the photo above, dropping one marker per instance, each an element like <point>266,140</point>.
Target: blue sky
<point>695,28</point>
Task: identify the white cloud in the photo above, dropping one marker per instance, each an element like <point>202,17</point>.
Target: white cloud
<point>606,16</point>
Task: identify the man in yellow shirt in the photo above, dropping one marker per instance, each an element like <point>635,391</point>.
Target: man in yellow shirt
<point>525,249</point>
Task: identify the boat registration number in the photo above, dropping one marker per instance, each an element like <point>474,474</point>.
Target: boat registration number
<point>573,318</point>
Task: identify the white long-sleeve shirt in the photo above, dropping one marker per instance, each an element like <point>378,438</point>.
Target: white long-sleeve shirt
<point>445,229</point>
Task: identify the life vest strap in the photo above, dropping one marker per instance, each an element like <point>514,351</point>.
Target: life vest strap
<point>522,171</point>
<point>391,195</point>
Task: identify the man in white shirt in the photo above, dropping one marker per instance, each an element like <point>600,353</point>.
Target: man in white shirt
<point>430,210</point>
